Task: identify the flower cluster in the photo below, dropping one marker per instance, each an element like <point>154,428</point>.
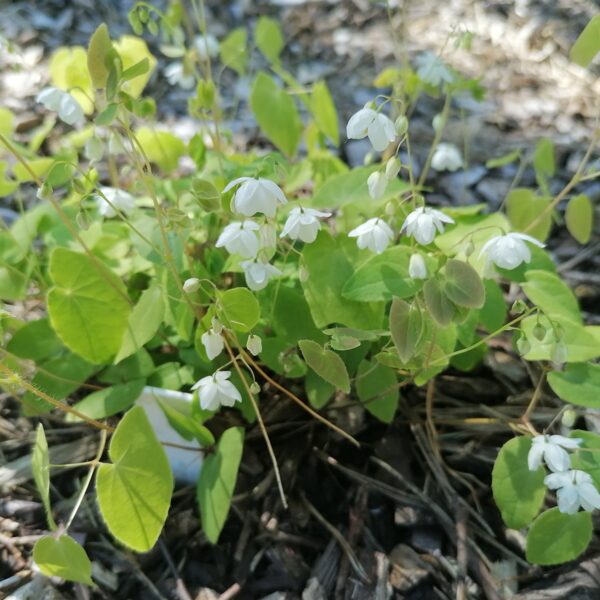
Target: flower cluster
<point>575,488</point>
<point>61,102</point>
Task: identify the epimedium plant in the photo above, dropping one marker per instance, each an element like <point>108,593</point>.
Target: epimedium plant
<point>182,264</point>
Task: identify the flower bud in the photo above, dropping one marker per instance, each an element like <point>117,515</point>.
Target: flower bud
<point>255,388</point>
<point>376,183</point>
<point>569,417</point>
<point>303,274</point>
<point>371,104</point>
<point>518,307</point>
<point>469,248</point>
<point>539,332</point>
<point>392,168</point>
<point>191,285</point>
<point>254,345</point>
<point>401,125</point>
<point>216,325</point>
<point>417,268</point>
<point>437,122</point>
<point>44,192</point>
<point>94,149</point>
<point>523,345</point>
<point>559,353</point>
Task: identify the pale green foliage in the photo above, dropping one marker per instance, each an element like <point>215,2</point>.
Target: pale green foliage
<point>63,557</point>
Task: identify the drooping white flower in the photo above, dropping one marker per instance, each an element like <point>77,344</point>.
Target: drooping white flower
<point>369,122</point>
<point>213,343</point>
<point>240,238</point>
<point>423,223</point>
<point>68,109</point>
<point>191,285</point>
<point>303,224</point>
<point>446,157</point>
<point>215,391</point>
<point>575,488</point>
<point>176,75</point>
<point>256,196</point>
<point>375,234</point>
<point>509,251</point>
<point>432,70</point>
<point>117,199</point>
<point>206,46</point>
<point>417,268</point>
<point>258,273</point>
<point>254,345</point>
<point>377,182</point>
<point>551,449</point>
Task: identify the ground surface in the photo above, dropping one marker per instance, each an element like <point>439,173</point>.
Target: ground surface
<point>411,508</point>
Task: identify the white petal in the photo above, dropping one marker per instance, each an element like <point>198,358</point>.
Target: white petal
<point>527,238</point>
<point>378,137</point>
<point>556,458</point>
<point>235,182</point>
<point>568,500</point>
<point>230,393</point>
<point>274,190</point>
<point>359,122</point>
<point>589,496</point>
<point>565,442</point>
<point>534,458</point>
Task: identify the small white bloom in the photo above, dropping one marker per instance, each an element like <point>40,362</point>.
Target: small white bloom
<point>432,70</point>
<point>206,46</point>
<point>392,168</point>
<point>552,450</point>
<point>215,391</point>
<point>254,345</point>
<point>68,109</point>
<point>423,222</point>
<point>94,149</point>
<point>303,224</point>
<point>191,285</point>
<point>258,273</point>
<point>377,182</point>
<point>417,268</point>
<point>375,235</point>
<point>176,75</point>
<point>119,199</point>
<point>446,157</point>
<point>213,343</point>
<point>509,251</point>
<point>575,488</point>
<point>256,196</point>
<point>369,122</point>
<point>240,238</point>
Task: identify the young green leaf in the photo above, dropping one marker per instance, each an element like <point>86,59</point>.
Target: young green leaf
<point>579,218</point>
<point>440,306</point>
<point>41,473</point>
<point>326,364</point>
<point>543,159</point>
<point>186,426</point>
<point>233,51</point>
<point>323,111</point>
<point>523,207</point>
<point>552,295</point>
<point>161,147</point>
<point>463,285</point>
<point>578,384</point>
<point>134,492</point>
<point>217,482</point>
<point>407,327</point>
<point>240,309</point>
<point>318,391</point>
<point>110,401</point>
<point>377,389</point>
<point>556,537</point>
<point>518,492</point>
<point>98,55</point>
<point>63,557</point>
<point>587,44</point>
<point>269,38</point>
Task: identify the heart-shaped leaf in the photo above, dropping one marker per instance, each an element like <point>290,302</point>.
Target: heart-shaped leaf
<point>463,285</point>
<point>406,326</point>
<point>326,364</point>
<point>440,306</point>
<point>63,557</point>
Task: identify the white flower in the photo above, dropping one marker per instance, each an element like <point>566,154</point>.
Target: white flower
<point>575,488</point>
<point>94,149</point>
<point>552,450</point>
<point>509,251</point>
<point>417,268</point>
<point>213,343</point>
<point>423,222</point>
<point>392,168</point>
<point>240,238</point>
<point>258,273</point>
<point>369,122</point>
<point>206,46</point>
<point>191,285</point>
<point>256,195</point>
<point>303,224</point>
<point>68,109</point>
<point>375,235</point>
<point>377,182</point>
<point>176,75</point>
<point>215,391</point>
<point>446,157</point>
<point>254,345</point>
<point>119,199</point>
<point>432,70</point>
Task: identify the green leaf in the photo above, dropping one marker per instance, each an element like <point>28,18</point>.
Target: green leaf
<point>587,44</point>
<point>407,327</point>
<point>186,426</point>
<point>543,159</point>
<point>161,147</point>
<point>233,50</point>
<point>318,391</point>
<point>578,384</point>
<point>523,207</point>
<point>88,305</point>
<point>107,116</point>
<point>276,113</point>
<point>41,472</point>
<point>326,364</point>
<point>132,50</point>
<point>579,218</point>
<point>63,557</point>
<point>98,55</point>
<point>556,537</point>
<point>134,492</point>
<point>377,389</point>
<point>323,111</point>
<point>144,321</point>
<point>110,401</point>
<point>69,72</point>
<point>137,69</point>
<point>329,263</point>
<point>503,160</point>
<point>289,302</point>
<point>587,461</point>
<point>268,38</point>
<point>493,313</point>
<point>217,482</point>
<point>36,340</point>
<point>518,492</point>
<point>440,306</point>
<point>240,309</point>
<point>463,285</point>
<point>548,292</point>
